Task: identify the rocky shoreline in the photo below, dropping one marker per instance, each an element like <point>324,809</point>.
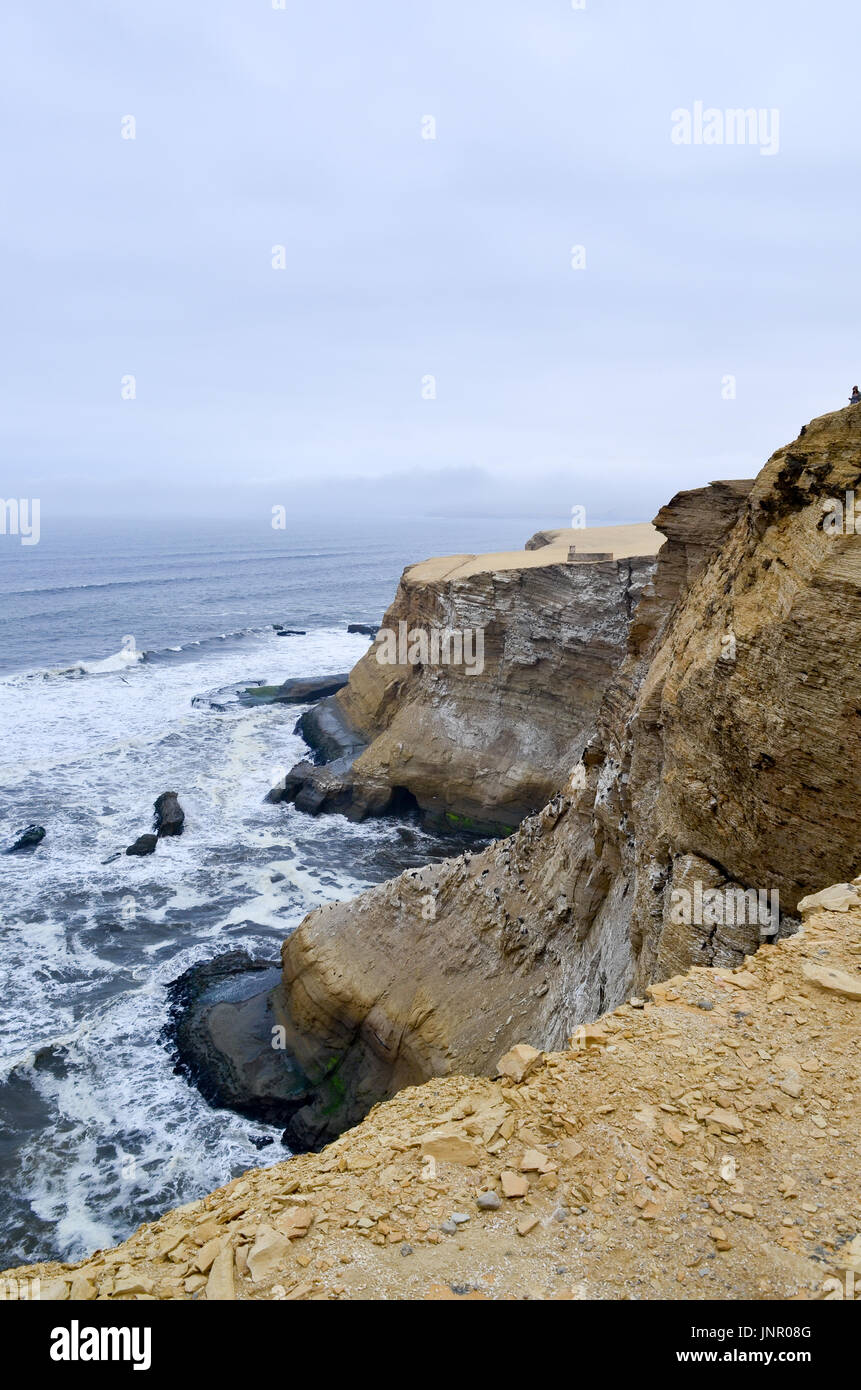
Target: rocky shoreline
<point>642,731</point>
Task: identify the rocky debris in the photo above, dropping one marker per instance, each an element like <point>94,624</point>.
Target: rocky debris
<point>26,840</point>
<point>369,629</point>
<point>290,631</point>
<point>221,1286</point>
<point>169,815</point>
<point>519,1062</point>
<point>513,1184</point>
<point>268,1254</point>
<point>838,898</point>
<point>835,980</point>
<point>451,1147</point>
<point>758,1201</point>
<point>144,844</point>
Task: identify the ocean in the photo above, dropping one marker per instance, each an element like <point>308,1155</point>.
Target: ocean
<point>108,632</point>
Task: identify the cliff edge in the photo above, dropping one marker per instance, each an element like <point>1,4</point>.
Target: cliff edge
<point>700,1144</point>
<point>702,782</point>
<point>479,733</point>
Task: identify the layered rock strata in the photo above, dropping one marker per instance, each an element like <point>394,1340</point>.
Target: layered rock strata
<point>482,735</point>
<point>724,757</point>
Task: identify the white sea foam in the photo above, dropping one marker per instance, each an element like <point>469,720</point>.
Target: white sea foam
<point>90,945</point>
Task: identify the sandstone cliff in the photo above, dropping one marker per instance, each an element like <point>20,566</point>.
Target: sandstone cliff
<point>479,748</point>
<point>725,754</point>
<point>700,1145</point>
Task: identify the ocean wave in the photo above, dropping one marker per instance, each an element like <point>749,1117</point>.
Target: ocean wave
<point>108,665</point>
<point>127,658</point>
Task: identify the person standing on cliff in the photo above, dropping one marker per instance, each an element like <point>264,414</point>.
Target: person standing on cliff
<point>855,397</point>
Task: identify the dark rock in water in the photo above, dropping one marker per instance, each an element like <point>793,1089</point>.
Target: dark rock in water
<point>369,629</point>
<point>169,815</point>
<point>228,696</point>
<point>144,844</point>
<point>312,788</point>
<point>299,690</point>
<point>27,840</point>
<point>289,632</point>
<point>336,745</point>
<point>222,1031</point>
<point>329,734</point>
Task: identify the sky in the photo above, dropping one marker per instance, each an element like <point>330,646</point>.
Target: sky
<point>333,267</point>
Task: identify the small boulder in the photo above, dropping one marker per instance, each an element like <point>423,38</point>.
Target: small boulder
<point>451,1148</point>
<point>220,1286</point>
<point>169,815</point>
<point>268,1254</point>
<point>839,897</point>
<point>726,1120</point>
<point>133,1283</point>
<point>295,1223</point>
<point>836,981</point>
<point>514,1184</point>
<point>144,844</point>
<point>27,840</point>
<point>83,1289</point>
<point>519,1062</point>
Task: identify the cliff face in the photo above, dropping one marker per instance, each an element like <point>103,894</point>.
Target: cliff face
<point>724,756</point>
<point>703,772</point>
<point>478,743</point>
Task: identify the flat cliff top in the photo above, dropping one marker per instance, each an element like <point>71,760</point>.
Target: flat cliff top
<point>700,1145</point>
<point>641,538</point>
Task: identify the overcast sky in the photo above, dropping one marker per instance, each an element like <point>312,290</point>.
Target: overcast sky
<point>408,258</point>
